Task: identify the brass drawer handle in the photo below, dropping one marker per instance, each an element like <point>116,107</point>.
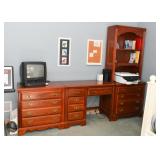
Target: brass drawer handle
<point>76,116</point>
<point>137,108</point>
<point>29,113</point>
<point>55,94</point>
<point>122,103</point>
<point>76,107</point>
<point>55,110</point>
<point>54,102</point>
<point>121,109</point>
<point>137,102</point>
<point>30,104</point>
<point>122,96</point>
<point>28,96</point>
<point>138,95</point>
<point>30,122</point>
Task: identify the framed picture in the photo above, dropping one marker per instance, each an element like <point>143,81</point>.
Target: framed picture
<point>94,52</point>
<point>64,51</point>
<point>8,79</point>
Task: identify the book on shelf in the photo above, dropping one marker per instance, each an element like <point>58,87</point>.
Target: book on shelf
<point>130,44</point>
<point>137,57</point>
<point>134,57</point>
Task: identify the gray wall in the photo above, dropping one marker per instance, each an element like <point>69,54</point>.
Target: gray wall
<point>38,42</point>
<point>149,64</point>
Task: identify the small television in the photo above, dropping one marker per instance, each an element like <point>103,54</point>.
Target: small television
<point>33,73</point>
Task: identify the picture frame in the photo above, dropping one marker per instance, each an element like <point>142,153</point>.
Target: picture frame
<point>8,79</point>
<point>64,51</point>
<point>94,52</point>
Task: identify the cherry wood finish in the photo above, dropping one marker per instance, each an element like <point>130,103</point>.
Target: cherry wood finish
<point>60,104</point>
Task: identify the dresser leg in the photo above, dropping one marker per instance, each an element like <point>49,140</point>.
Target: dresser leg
<point>21,132</point>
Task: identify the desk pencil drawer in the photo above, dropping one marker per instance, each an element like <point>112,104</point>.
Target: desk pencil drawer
<point>131,89</point>
<point>76,92</point>
<point>43,120</point>
<point>100,91</point>
<point>41,95</point>
<point>41,103</point>
<point>75,116</point>
<point>41,112</point>
<point>76,100</point>
<point>77,107</point>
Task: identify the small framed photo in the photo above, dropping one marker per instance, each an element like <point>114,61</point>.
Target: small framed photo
<point>64,60</point>
<point>64,51</point>
<point>64,44</point>
<point>8,79</point>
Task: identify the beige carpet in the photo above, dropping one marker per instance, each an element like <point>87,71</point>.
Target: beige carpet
<point>97,125</point>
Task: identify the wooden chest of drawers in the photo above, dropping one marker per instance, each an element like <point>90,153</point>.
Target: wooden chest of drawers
<point>40,108</point>
<point>76,106</point>
<point>129,100</point>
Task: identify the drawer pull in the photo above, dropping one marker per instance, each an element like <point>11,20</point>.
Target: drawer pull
<point>76,116</point>
<point>122,96</point>
<point>30,104</point>
<point>121,109</point>
<point>54,102</point>
<point>29,113</point>
<point>137,108</point>
<point>138,95</point>
<point>55,110</point>
<point>55,94</point>
<point>76,107</point>
<point>28,96</point>
<point>121,103</point>
<point>30,122</point>
<point>137,102</point>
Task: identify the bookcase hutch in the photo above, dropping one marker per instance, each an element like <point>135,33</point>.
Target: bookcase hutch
<point>129,99</point>
<point>117,57</point>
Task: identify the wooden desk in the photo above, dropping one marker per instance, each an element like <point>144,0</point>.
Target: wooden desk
<point>63,104</point>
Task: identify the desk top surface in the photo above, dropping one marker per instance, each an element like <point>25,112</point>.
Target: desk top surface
<point>65,84</point>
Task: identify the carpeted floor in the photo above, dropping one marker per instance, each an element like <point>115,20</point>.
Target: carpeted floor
<point>97,125</point>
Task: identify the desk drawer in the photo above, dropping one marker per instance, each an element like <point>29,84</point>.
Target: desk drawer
<point>75,116</point>
<point>76,92</point>
<point>41,112</point>
<point>76,100</point>
<point>124,96</point>
<point>125,107</point>
<point>100,91</point>
<point>131,89</point>
<point>43,120</point>
<point>42,95</point>
<point>76,107</point>
<point>41,103</point>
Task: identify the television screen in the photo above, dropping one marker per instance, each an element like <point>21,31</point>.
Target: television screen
<point>35,70</point>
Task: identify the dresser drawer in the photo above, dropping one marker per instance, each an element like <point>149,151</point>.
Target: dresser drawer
<point>131,89</point>
<point>41,103</point>
<point>42,95</point>
<point>76,107</point>
<point>76,100</point>
<point>100,91</point>
<point>124,96</point>
<point>41,112</point>
<point>76,92</point>
<point>129,106</point>
<point>43,120</point>
<point>75,116</point>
